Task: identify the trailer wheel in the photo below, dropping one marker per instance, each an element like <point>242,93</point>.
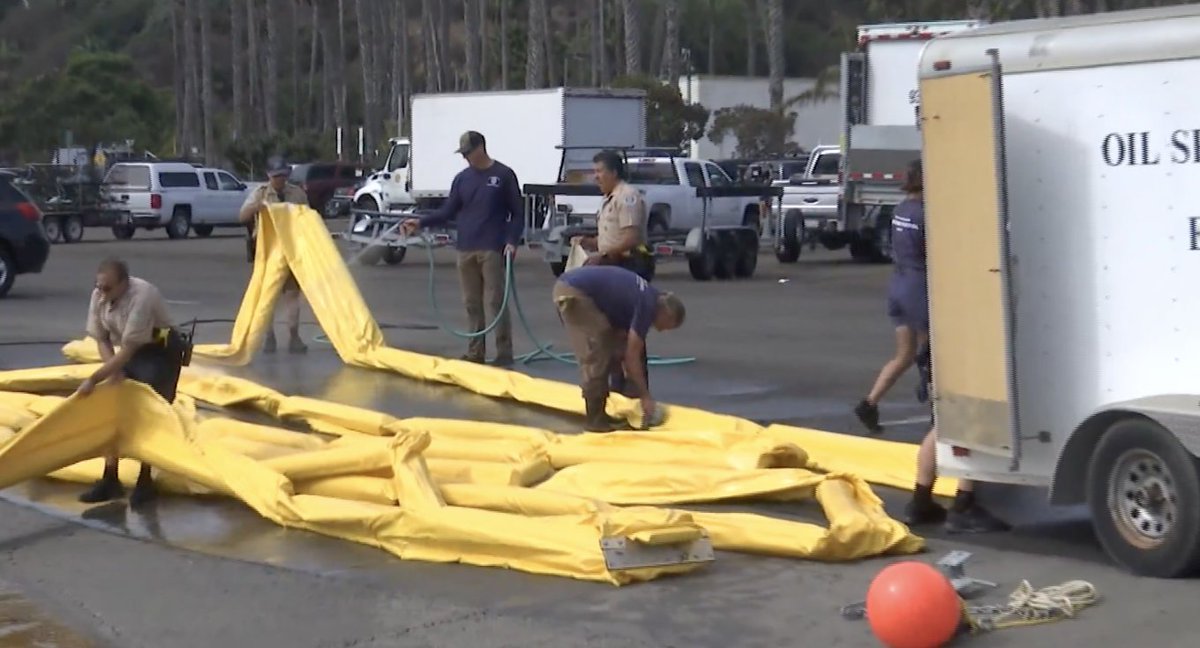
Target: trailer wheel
<point>72,228</point>
<point>747,261</point>
<point>394,255</point>
<point>703,265</point>
<point>123,232</point>
<point>727,255</point>
<point>787,245</point>
<point>52,225</point>
<point>367,255</point>
<point>203,231</point>
<point>1144,494</point>
<point>558,267</point>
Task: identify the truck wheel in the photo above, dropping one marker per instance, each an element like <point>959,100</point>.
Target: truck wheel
<point>394,255</point>
<point>703,265</point>
<point>747,254</point>
<point>203,231</point>
<point>72,229</point>
<point>53,228</point>
<point>787,245</point>
<point>8,270</point>
<point>367,203</point>
<point>558,267</point>
<point>1144,495</point>
<point>123,232</point>
<point>727,255</point>
<point>180,223</point>
<point>750,219</point>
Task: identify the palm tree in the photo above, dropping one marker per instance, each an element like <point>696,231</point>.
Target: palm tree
<point>535,61</point>
<point>775,61</point>
<point>472,44</point>
<point>206,77</point>
<point>633,41</point>
<point>671,41</point>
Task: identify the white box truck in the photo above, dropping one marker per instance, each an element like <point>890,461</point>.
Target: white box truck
<point>880,135</point>
<point>525,129</point>
<point>1062,158</point>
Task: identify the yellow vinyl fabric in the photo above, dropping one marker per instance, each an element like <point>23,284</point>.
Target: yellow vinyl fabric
<point>449,490</point>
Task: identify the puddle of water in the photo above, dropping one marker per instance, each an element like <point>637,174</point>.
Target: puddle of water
<point>23,625</point>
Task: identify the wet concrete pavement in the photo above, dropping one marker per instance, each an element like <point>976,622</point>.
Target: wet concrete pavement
<point>796,344</point>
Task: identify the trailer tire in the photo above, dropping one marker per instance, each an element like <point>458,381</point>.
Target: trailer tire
<point>52,225</point>
<point>394,255</point>
<point>180,223</point>
<point>728,252</point>
<point>1144,495</point>
<point>203,231</point>
<point>368,255</point>
<point>747,261</point>
<point>789,240</point>
<point>703,265</point>
<point>72,228</point>
<point>123,232</point>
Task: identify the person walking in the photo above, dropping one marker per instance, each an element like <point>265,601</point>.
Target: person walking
<point>130,313</point>
<point>908,295</point>
<point>277,190</point>
<point>608,312</point>
<point>485,203</point>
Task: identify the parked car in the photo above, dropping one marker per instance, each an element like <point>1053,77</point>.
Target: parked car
<point>24,247</point>
<point>176,196</point>
<point>321,179</point>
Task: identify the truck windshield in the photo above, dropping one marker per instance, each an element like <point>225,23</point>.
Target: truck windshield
<point>653,173</point>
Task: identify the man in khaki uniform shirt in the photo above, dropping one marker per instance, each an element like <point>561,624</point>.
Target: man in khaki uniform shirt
<point>279,190</point>
<point>130,313</point>
<point>621,223</point>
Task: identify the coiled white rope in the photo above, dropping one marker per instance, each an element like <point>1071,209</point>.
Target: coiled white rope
<point>1029,606</point>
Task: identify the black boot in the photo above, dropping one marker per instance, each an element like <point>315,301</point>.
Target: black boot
<point>144,491</point>
<point>967,516</point>
<point>597,420</point>
<point>868,415</point>
<point>106,489</point>
<point>921,509</point>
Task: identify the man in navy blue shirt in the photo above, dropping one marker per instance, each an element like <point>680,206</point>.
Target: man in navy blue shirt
<point>485,199</point>
<point>608,312</point>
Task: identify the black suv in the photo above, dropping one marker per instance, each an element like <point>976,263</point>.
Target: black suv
<point>24,247</point>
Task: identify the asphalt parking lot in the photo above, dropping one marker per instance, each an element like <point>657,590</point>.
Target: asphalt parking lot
<point>797,343</point>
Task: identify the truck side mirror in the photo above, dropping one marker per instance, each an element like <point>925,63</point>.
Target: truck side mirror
<point>386,176</point>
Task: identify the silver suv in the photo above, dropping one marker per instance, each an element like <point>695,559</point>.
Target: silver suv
<point>176,196</point>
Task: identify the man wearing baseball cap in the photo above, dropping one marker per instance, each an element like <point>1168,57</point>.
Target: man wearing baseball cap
<point>277,190</point>
<point>485,200</point>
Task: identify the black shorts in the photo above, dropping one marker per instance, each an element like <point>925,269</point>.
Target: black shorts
<point>156,365</point>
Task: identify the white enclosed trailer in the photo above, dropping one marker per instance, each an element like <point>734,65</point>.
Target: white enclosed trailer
<point>1062,159</point>
<point>527,130</point>
<point>880,136</point>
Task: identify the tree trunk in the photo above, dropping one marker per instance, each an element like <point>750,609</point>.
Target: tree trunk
<point>671,41</point>
<point>433,70</point>
<point>471,43</point>
<point>192,78</point>
<point>594,41</point>
<point>485,44</point>
<point>775,59</point>
<point>179,56</point>
<point>712,37</point>
<point>294,54</point>
<point>657,39</point>
<point>535,65</point>
<point>546,42</point>
<point>367,65</point>
<point>328,119</point>
<point>633,38</point>
<point>603,16</point>
<point>236,36</point>
<point>406,52</point>
<point>341,108</point>
<point>384,42</point>
<point>504,45</point>
<point>443,44</point>
<point>253,84</point>
<point>311,101</point>
<point>752,32</point>
<point>271,69</point>
<point>206,77</point>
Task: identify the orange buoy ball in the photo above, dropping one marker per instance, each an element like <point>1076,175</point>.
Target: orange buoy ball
<point>912,605</point>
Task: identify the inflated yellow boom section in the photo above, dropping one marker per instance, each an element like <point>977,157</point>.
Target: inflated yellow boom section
<point>449,490</point>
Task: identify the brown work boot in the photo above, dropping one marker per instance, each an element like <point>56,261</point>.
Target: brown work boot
<point>269,343</point>
<point>597,419</point>
<point>144,491</point>
<point>295,344</point>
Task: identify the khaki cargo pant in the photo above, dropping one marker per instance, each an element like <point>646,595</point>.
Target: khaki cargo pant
<point>593,339</point>
<point>481,275</point>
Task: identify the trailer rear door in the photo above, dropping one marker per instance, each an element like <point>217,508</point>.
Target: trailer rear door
<point>967,247</point>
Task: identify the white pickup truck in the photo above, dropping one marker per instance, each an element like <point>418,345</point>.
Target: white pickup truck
<point>176,196</point>
<point>809,211</point>
<point>693,208</point>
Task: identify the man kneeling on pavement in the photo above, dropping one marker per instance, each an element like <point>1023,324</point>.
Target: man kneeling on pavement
<point>608,312</point>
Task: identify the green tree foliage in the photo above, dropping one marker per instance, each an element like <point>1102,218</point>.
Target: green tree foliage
<point>760,132</point>
<point>98,96</point>
<point>669,120</point>
<point>251,155</point>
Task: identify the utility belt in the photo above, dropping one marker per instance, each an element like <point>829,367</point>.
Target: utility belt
<point>640,260</point>
<point>172,343</point>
